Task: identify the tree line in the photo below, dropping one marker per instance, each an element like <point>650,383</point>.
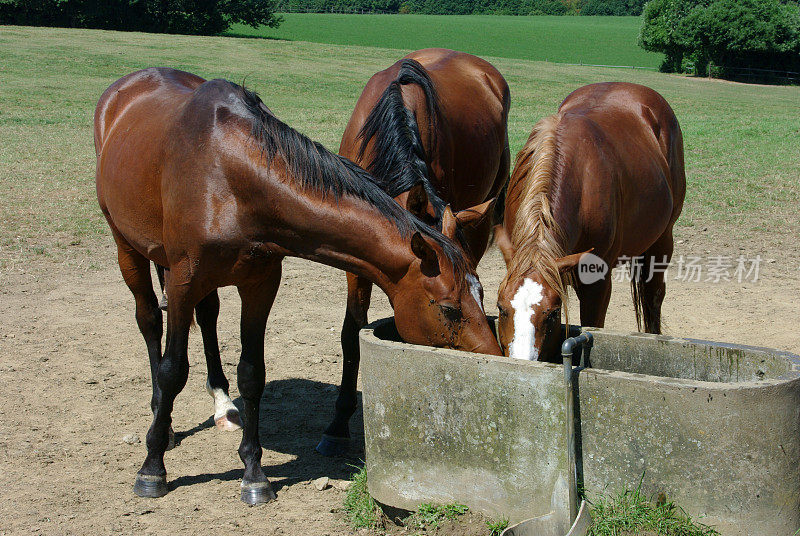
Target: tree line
<point>209,17</point>
<point>203,17</point>
<point>468,7</point>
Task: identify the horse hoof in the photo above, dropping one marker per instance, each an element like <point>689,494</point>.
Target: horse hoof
<point>150,486</point>
<point>257,493</point>
<point>229,422</point>
<point>333,446</point>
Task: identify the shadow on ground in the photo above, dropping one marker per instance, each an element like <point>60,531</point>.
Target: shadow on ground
<point>294,412</point>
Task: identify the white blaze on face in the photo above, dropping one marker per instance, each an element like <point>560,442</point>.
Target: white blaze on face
<point>475,289</point>
<point>529,295</point>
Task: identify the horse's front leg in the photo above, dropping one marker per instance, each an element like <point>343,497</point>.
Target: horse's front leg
<point>336,438</point>
<point>170,378</point>
<point>226,416</point>
<point>257,301</point>
<point>594,300</point>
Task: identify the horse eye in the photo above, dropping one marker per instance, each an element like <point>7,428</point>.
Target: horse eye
<point>451,313</point>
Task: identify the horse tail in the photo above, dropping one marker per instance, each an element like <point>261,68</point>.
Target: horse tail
<point>499,211</point>
<point>648,318</point>
<point>637,295</point>
<point>162,273</point>
<point>399,159</point>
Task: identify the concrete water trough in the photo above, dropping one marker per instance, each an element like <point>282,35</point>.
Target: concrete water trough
<point>714,427</point>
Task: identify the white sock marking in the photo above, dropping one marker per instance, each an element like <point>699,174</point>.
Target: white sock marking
<point>222,402</point>
<point>527,297</point>
<point>475,289</point>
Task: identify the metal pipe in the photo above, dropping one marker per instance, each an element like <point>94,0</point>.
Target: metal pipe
<point>583,340</point>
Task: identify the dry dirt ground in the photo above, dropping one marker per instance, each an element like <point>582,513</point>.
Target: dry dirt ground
<point>75,380</point>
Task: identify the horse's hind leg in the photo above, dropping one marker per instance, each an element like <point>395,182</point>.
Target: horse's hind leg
<point>257,301</point>
<point>170,378</point>
<point>650,289</point>
<point>135,270</point>
<point>336,438</point>
<point>226,416</point>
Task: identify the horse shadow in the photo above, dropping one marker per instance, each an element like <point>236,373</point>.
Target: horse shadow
<point>294,412</point>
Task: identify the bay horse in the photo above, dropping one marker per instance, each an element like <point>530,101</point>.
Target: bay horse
<point>432,129</point>
<point>603,175</point>
<point>200,177</point>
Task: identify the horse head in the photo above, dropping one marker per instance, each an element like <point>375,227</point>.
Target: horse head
<point>439,302</point>
<point>529,303</point>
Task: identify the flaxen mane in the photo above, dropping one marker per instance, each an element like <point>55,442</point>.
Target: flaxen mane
<point>537,238</point>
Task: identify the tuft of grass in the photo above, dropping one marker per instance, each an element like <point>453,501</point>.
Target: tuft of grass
<point>629,513</point>
<point>360,508</point>
<point>428,516</point>
<point>497,526</point>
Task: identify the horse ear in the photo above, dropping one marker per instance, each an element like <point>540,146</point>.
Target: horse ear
<point>476,214</point>
<point>417,201</point>
<point>449,223</point>
<point>425,253</point>
<point>504,243</point>
<point>568,262</point>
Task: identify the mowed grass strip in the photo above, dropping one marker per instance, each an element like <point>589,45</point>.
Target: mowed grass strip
<point>593,40</point>
<point>742,141</point>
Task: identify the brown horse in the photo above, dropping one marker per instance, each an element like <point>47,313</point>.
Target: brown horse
<point>605,174</point>
<point>201,178</point>
<point>432,129</point>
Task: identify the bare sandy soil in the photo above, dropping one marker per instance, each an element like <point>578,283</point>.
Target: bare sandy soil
<point>75,380</point>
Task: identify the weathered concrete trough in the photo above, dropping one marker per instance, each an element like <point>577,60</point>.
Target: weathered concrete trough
<point>715,427</point>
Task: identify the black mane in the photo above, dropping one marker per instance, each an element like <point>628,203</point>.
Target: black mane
<point>326,173</point>
<point>399,160</point>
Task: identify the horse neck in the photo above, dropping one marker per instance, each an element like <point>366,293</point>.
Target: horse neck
<point>535,206</point>
<point>353,236</point>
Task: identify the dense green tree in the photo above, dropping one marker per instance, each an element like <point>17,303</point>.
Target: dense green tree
<point>661,20</point>
<point>742,33</point>
<point>720,37</point>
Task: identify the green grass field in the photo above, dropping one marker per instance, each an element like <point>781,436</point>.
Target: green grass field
<point>593,40</point>
<point>742,142</point>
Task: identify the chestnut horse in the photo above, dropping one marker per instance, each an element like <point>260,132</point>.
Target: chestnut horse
<point>201,178</point>
<point>605,174</point>
<point>432,129</point>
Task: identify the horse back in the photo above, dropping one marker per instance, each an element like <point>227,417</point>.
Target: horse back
<point>467,156</point>
<point>464,150</point>
<point>624,152</point>
<point>115,100</point>
<point>636,119</point>
<point>136,128</point>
